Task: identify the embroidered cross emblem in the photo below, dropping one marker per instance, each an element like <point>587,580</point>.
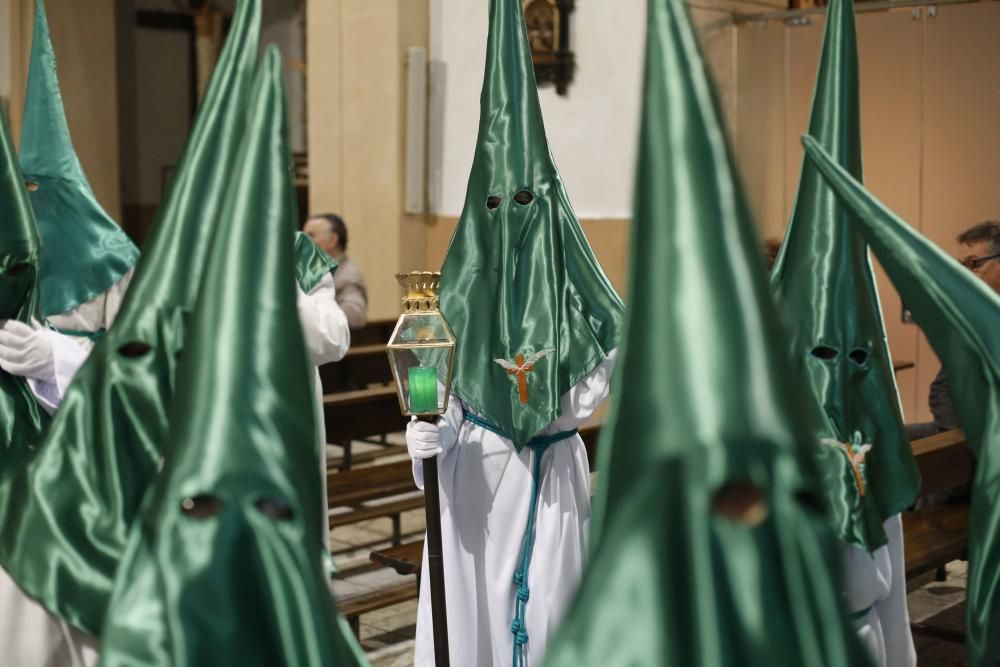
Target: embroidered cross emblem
<point>855,453</point>
<point>520,368</point>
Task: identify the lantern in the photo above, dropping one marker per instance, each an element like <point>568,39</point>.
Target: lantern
<point>422,347</point>
<point>421,352</point>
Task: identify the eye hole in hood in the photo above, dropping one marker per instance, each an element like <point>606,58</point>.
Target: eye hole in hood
<point>493,202</point>
<point>201,507</point>
<point>524,197</point>
<point>824,352</point>
<point>275,508</point>
<point>810,501</point>
<point>17,269</point>
<point>134,349</point>
<point>859,355</point>
<point>741,502</point>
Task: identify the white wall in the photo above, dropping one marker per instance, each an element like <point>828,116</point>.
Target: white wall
<point>592,131</point>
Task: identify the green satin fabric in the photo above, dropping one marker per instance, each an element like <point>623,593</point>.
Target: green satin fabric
<point>22,421</point>
<point>825,290</point>
<point>83,490</point>
<point>311,263</point>
<point>86,252</point>
<point>961,317</point>
<point>702,400</point>
<point>521,279</point>
<point>239,587</point>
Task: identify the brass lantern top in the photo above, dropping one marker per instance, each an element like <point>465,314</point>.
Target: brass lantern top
<point>420,291</point>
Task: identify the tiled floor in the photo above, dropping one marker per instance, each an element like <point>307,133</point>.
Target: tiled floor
<point>940,604</point>
<point>387,635</point>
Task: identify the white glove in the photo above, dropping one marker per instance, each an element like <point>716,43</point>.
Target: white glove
<point>25,350</point>
<point>423,439</point>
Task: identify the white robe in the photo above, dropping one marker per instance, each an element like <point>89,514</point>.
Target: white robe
<point>485,496</point>
<point>29,635</point>
<point>877,582</point>
<point>328,338</point>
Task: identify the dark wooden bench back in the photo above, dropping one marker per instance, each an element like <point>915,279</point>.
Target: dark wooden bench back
<point>945,462</point>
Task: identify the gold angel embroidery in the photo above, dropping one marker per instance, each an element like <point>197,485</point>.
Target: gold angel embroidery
<point>856,452</point>
<point>520,368</point>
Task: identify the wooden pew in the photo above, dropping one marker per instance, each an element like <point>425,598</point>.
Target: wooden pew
<point>354,488</point>
<point>376,332</point>
<point>361,367</point>
<point>898,365</point>
<point>935,535</point>
<point>360,415</point>
<point>364,364</point>
<point>353,608</point>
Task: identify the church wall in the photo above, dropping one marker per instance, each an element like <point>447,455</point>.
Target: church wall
<point>592,131</point>
<point>589,130</point>
<point>929,104</point>
<point>356,50</point>
<point>85,43</point>
<point>6,50</point>
<point>961,137</point>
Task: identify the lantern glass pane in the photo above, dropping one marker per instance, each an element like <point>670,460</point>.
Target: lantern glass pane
<point>420,354</point>
<point>423,329</point>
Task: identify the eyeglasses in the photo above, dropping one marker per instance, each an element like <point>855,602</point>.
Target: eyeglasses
<point>973,263</point>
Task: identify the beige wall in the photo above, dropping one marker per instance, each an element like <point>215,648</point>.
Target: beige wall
<point>356,83</point>
<point>356,94</point>
<point>83,35</point>
<point>932,148</point>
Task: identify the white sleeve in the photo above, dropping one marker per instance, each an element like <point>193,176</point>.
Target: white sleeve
<point>579,403</point>
<point>68,357</point>
<point>323,323</point>
<point>113,298</point>
<point>450,424</point>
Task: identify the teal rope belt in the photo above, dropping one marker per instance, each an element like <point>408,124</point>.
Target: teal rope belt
<point>537,445</point>
<point>856,616</point>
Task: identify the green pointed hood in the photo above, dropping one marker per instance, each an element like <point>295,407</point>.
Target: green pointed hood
<point>228,547</point>
<point>520,278</point>
<point>825,290</point>
<point>311,263</point>
<point>22,421</point>
<point>704,423</point>
<point>961,317</point>
<point>86,252</point>
<point>83,490</point>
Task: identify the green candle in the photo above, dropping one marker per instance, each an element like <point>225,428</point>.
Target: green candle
<point>423,389</point>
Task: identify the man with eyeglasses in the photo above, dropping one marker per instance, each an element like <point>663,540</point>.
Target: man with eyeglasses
<point>980,254</point>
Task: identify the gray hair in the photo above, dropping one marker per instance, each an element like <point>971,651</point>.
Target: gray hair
<point>988,230</point>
